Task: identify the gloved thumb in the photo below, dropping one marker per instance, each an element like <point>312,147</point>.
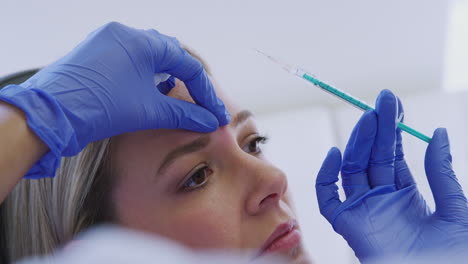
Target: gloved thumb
<point>325,185</point>
<point>179,114</point>
<point>448,195</point>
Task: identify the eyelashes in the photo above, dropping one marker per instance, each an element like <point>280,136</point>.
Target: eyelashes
<point>199,178</point>
<point>253,146</point>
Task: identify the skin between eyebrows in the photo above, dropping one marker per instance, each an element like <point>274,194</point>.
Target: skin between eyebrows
<point>199,143</point>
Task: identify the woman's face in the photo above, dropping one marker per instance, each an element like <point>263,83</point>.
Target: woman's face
<point>212,190</point>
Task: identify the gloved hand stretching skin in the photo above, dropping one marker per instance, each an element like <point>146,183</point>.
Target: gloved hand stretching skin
<point>105,87</point>
<point>384,214</point>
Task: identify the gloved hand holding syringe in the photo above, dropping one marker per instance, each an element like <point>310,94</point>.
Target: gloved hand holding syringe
<point>384,214</point>
<point>340,94</point>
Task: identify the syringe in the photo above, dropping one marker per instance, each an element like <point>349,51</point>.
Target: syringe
<point>340,94</point>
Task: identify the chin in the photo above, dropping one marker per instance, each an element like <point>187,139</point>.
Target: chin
<point>298,256</point>
<point>295,255</point>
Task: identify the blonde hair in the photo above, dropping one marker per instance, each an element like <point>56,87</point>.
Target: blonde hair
<point>47,213</point>
<point>42,215</point>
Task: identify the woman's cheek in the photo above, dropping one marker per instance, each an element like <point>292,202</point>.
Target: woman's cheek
<point>203,227</point>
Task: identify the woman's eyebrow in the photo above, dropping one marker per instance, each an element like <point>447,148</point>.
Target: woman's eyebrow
<point>193,146</point>
<point>240,117</point>
<point>199,143</point>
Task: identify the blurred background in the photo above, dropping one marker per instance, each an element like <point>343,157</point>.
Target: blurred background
<point>418,49</point>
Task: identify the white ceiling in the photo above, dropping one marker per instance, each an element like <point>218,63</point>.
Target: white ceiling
<point>360,46</point>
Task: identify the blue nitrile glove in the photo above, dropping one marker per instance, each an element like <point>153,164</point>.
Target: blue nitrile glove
<point>384,214</point>
<point>106,86</point>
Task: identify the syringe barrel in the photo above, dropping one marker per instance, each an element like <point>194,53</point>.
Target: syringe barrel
<point>354,101</point>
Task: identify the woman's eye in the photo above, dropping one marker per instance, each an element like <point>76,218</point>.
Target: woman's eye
<point>254,145</point>
<point>197,179</point>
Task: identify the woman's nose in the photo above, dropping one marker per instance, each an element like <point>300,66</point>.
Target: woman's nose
<point>268,185</point>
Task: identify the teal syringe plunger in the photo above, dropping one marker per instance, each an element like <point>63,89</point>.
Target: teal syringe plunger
<point>340,94</point>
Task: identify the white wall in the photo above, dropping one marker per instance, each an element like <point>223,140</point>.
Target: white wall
<point>359,44</point>
<point>456,58</point>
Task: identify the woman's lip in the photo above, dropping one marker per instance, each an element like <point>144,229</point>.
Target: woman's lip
<point>285,237</point>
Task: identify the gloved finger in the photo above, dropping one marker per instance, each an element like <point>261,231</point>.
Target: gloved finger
<point>166,87</point>
<point>448,195</point>
<point>181,114</point>
<point>202,91</point>
<point>403,176</point>
<point>382,161</point>
<point>325,185</point>
<point>356,155</point>
<point>179,63</point>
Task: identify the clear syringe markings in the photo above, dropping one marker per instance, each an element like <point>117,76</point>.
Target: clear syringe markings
<point>340,94</point>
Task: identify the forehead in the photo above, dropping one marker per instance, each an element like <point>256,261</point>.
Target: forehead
<point>180,91</point>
